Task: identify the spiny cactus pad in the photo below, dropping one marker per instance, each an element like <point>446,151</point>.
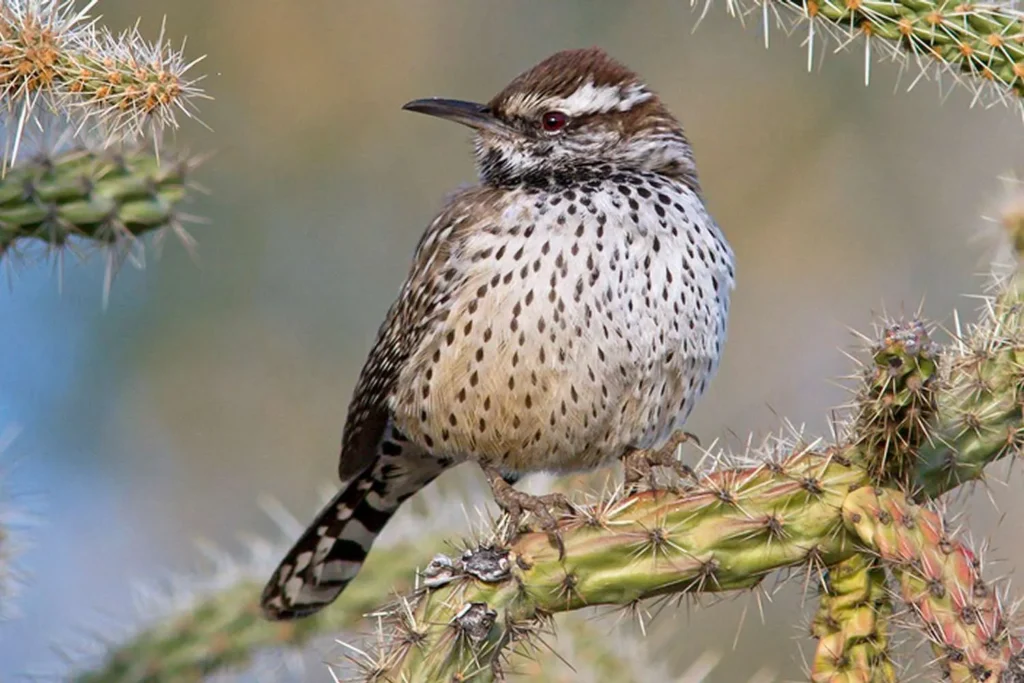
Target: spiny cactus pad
<point>101,197</point>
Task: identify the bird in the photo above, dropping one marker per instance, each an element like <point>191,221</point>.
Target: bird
<point>565,312</point>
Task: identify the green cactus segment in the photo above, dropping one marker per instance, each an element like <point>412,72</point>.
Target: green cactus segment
<point>978,40</point>
<point>979,411</point>
<point>852,625</point>
<point>99,197</point>
<point>727,532</point>
<point>897,402</point>
<point>224,631</point>
<point>940,580</point>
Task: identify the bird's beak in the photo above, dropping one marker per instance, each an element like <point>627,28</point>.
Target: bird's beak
<point>471,114</point>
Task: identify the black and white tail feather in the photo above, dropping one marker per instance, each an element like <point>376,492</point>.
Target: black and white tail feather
<point>333,548</point>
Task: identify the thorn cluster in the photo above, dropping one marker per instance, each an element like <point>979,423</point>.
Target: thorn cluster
<point>53,58</point>
<point>972,44</point>
<point>897,402</point>
<point>104,199</point>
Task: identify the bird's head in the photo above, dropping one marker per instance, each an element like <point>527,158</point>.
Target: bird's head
<point>565,119</point>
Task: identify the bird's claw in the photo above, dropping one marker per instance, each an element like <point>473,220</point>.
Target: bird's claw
<point>515,503</point>
<point>640,464</point>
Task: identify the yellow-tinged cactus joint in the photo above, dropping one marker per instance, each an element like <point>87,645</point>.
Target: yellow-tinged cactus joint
<point>852,624</point>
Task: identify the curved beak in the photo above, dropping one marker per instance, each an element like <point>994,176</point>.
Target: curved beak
<point>471,114</point>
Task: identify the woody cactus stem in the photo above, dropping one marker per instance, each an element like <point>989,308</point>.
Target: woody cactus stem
<point>940,579</point>
<point>104,198</point>
<point>727,532</point>
<point>852,625</point>
<point>897,402</point>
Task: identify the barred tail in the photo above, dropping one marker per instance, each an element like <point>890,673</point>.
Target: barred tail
<point>332,550</point>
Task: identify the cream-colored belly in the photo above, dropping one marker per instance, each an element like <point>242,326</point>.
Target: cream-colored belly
<point>564,350</point>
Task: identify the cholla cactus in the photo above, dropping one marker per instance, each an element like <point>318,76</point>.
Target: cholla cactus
<point>940,580</point>
<point>852,624</point>
<point>53,59</point>
<point>975,44</point>
<point>896,402</point>
<point>109,198</point>
<point>95,174</point>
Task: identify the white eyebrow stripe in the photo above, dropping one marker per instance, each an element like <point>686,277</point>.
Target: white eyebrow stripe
<point>635,94</point>
<point>588,99</point>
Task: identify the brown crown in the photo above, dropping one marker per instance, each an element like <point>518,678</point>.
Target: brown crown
<point>561,74</point>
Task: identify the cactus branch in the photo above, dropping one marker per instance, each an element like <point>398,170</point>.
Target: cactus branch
<point>852,625</point>
<point>103,198</point>
<point>226,629</point>
<point>50,50</point>
<point>977,44</point>
<point>979,416</point>
<point>940,579</point>
<point>896,403</point>
<point>728,531</point>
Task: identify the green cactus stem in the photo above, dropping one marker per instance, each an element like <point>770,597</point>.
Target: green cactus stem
<point>979,416</point>
<point>99,197</point>
<point>728,532</point>
<point>977,42</point>
<point>897,402</point>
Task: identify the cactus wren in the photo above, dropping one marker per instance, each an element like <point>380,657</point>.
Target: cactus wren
<point>567,311</point>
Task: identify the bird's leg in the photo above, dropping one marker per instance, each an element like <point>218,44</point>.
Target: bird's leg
<point>514,503</point>
<point>639,464</point>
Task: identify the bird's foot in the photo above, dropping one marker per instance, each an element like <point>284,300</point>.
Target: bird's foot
<point>640,464</point>
<point>515,503</point>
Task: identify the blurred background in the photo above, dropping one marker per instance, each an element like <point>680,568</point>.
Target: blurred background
<point>206,387</point>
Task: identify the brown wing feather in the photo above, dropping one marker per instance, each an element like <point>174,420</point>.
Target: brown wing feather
<point>421,305</point>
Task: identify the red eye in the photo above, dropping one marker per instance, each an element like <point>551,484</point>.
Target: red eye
<point>554,121</point>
